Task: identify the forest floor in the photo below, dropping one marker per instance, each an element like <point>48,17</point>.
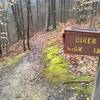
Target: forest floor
<point>24,81</point>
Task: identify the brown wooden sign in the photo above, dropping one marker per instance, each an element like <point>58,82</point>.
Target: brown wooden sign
<point>84,42</point>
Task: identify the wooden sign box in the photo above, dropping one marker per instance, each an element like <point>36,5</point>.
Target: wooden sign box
<point>82,41</point>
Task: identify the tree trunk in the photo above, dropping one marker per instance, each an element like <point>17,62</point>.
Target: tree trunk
<point>54,13</point>
<point>28,23</point>
<point>37,4</point>
<point>0,48</point>
<point>48,16</point>
<point>22,23</point>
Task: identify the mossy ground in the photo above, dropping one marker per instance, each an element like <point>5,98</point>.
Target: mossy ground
<point>12,61</point>
<point>57,70</point>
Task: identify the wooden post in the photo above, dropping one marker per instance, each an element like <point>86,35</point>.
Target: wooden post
<point>96,92</point>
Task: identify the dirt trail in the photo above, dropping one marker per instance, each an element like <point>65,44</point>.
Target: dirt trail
<point>18,84</point>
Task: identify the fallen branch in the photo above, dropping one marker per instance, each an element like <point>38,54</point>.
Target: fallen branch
<point>79,82</point>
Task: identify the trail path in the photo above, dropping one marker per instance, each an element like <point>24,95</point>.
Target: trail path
<point>18,84</point>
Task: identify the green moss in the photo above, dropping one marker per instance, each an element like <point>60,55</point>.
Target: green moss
<point>56,74</point>
<point>90,90</point>
<point>51,51</point>
<point>12,61</point>
<point>85,91</point>
<point>57,60</point>
<point>56,71</point>
<point>85,77</point>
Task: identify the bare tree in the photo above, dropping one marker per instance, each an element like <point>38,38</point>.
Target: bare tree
<point>22,26</point>
<point>28,24</point>
<point>51,16</point>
